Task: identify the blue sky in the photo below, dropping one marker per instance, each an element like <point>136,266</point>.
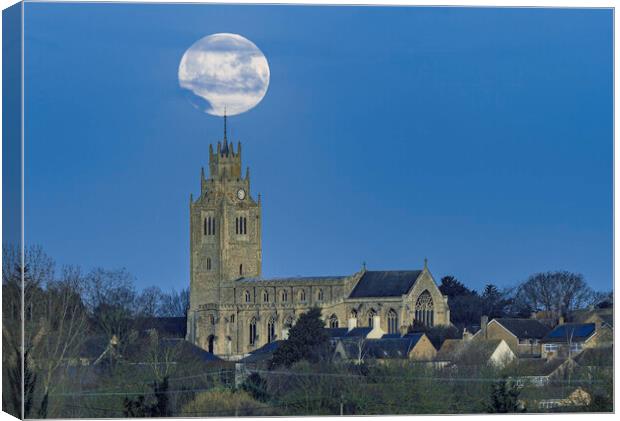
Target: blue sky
<point>479,138</point>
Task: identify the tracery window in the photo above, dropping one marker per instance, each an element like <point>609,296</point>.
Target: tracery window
<point>241,225</point>
<point>302,295</point>
<point>371,314</point>
<point>248,298</point>
<point>265,296</point>
<point>333,321</point>
<point>271,330</point>
<point>424,313</point>
<point>284,296</point>
<point>392,319</point>
<point>252,331</point>
<point>209,226</point>
<point>319,295</point>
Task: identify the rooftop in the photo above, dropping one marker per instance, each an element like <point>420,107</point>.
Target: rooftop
<point>385,283</point>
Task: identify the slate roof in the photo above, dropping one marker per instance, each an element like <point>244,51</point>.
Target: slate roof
<point>524,328</point>
<point>174,327</point>
<point>384,348</point>
<point>358,331</point>
<point>537,366</point>
<point>578,332</point>
<point>472,352</point>
<point>336,332</point>
<point>596,357</point>
<point>263,353</point>
<point>300,279</point>
<point>385,283</point>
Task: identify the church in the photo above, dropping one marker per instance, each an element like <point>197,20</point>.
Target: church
<point>234,310</point>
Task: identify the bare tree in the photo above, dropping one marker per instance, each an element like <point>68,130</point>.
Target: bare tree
<point>64,327</point>
<point>110,297</point>
<point>150,301</point>
<point>175,304</point>
<point>555,292</point>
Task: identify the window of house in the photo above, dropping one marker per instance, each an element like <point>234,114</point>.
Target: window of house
<point>319,295</point>
<point>241,270</point>
<point>232,318</point>
<point>284,296</point>
<point>208,263</point>
<point>576,347</point>
<point>551,347</point>
<point>248,298</point>
<point>265,296</point>
<point>302,295</point>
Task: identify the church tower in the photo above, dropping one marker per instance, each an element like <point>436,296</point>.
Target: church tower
<point>225,229</point>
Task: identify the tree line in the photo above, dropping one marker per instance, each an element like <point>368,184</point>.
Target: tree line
<point>63,308</point>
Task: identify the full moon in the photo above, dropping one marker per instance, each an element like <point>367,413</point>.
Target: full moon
<point>224,73</point>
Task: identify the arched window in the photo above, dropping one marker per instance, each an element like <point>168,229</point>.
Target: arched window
<point>370,316</point>
<point>319,295</point>
<point>302,295</point>
<point>424,313</point>
<point>248,298</point>
<point>208,263</point>
<point>241,270</point>
<point>271,330</point>
<point>252,331</point>
<point>265,296</point>
<point>353,314</point>
<point>333,321</point>
<point>392,319</point>
<point>284,296</point>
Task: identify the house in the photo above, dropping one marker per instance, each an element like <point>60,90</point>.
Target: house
<point>523,336</point>
<point>481,352</point>
<point>569,339</point>
<point>540,372</point>
<point>413,347</point>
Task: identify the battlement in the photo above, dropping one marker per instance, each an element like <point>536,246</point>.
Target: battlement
<point>225,162</point>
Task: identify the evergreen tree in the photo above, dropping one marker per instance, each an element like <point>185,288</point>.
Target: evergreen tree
<point>504,398</point>
<point>307,340</point>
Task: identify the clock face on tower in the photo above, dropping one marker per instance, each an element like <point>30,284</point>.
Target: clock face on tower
<point>241,194</point>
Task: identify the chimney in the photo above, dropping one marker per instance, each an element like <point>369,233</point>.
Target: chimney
<point>484,321</point>
<point>376,331</point>
<point>352,323</point>
<point>466,334</point>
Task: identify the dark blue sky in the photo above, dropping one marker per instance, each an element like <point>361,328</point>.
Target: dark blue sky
<point>479,138</point>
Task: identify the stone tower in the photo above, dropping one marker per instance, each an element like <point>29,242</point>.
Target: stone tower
<point>225,230</point>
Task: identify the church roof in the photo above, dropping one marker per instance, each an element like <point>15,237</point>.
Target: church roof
<point>385,283</point>
<point>300,279</point>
